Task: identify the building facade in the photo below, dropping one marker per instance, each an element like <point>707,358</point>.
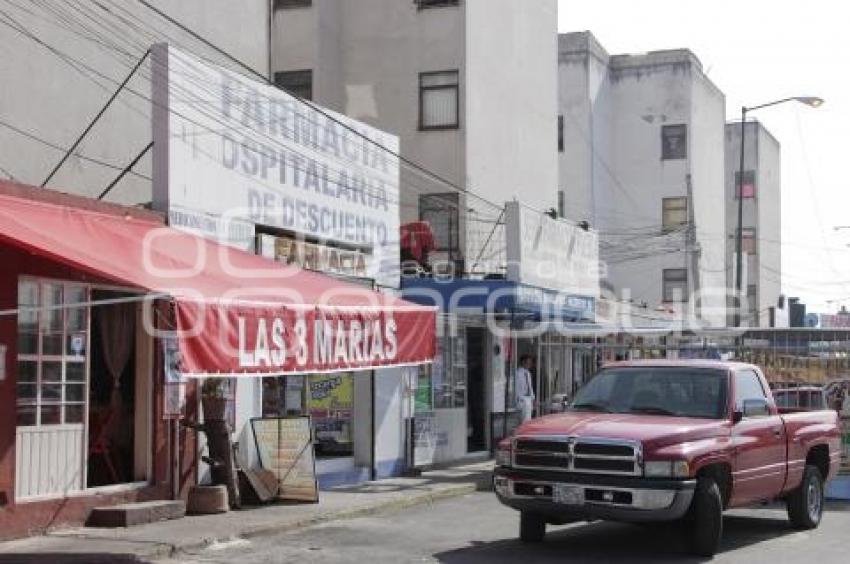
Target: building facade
<point>63,63</point>
<point>761,234</point>
<point>468,86</point>
<point>640,157</point>
<point>61,85</point>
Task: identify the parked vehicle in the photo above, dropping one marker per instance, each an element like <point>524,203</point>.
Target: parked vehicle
<point>666,441</point>
<point>804,398</point>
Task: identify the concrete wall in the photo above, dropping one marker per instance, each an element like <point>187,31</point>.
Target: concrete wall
<point>613,174</point>
<point>584,103</point>
<point>708,110</point>
<point>644,98</point>
<point>763,155</point>
<point>366,57</point>
<point>511,106</point>
<point>54,98</point>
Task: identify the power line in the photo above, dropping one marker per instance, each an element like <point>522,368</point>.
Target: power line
<point>46,143</point>
<point>127,169</point>
<point>95,120</point>
<point>78,65</point>
<point>8,174</point>
<point>317,108</point>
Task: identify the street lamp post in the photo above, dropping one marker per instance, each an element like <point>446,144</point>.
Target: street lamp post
<point>812,101</point>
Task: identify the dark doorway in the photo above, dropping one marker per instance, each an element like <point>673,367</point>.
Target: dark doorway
<point>476,412</point>
<point>112,392</point>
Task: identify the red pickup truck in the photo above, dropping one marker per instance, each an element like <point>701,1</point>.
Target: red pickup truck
<point>666,441</point>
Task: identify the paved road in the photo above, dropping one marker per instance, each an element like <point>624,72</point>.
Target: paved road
<point>476,529</point>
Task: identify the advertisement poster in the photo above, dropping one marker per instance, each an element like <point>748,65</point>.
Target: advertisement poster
<point>331,400</point>
<point>174,396</point>
<point>425,438</point>
<point>285,449</point>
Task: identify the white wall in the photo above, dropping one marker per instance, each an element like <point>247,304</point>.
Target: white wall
<point>629,196</point>
<point>46,96</point>
<point>366,58</point>
<point>583,101</point>
<point>708,107</point>
<point>769,199</point>
<point>511,104</point>
<point>763,155</point>
<point>612,172</point>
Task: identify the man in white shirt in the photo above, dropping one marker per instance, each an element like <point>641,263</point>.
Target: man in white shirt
<point>523,388</point>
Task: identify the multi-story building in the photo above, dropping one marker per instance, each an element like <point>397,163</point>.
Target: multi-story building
<point>761,233</point>
<point>640,139</point>
<point>468,86</point>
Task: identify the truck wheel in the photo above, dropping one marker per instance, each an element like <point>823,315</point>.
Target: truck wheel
<point>706,519</point>
<point>805,504</point>
<point>532,527</point>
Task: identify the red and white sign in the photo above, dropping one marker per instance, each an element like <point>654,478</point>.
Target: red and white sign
<point>265,340</point>
<point>236,313</point>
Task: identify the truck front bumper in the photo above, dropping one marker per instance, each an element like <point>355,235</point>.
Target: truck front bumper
<point>593,496</point>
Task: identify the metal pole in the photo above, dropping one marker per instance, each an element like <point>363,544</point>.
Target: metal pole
<point>739,236</point>
<point>124,172</point>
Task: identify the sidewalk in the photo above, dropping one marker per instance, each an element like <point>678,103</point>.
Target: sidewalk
<point>159,540</point>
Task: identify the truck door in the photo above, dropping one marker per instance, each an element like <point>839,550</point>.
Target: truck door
<point>759,442</point>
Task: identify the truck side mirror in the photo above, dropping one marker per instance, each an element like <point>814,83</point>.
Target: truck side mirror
<point>737,417</point>
<point>756,408</point>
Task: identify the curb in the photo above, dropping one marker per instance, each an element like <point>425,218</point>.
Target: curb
<point>402,502</point>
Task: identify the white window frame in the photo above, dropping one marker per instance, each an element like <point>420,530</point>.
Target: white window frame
<point>64,359</point>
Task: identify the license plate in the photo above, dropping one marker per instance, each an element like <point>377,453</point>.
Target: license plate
<point>568,495</point>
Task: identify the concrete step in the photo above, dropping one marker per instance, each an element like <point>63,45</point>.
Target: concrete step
<point>131,514</point>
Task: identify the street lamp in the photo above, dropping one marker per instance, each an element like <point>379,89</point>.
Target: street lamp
<point>812,101</point>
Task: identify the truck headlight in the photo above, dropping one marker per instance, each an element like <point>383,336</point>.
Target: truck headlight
<point>666,469</point>
<point>503,454</point>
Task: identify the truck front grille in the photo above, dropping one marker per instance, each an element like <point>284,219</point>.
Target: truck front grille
<point>570,454</point>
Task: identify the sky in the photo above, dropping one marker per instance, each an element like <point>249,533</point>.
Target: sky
<point>757,51</point>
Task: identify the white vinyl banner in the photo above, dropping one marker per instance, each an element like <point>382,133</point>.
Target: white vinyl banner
<point>233,156</point>
<point>550,253</point>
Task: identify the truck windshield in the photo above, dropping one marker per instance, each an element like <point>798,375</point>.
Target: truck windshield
<point>671,391</point>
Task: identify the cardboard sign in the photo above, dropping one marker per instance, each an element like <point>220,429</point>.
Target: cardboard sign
<point>285,448</point>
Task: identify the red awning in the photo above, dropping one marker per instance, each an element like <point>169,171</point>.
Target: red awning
<point>236,313</point>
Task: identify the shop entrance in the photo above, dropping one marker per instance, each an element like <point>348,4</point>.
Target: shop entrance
<point>83,415</point>
<point>112,392</point>
<point>476,411</point>
<point>339,406</point>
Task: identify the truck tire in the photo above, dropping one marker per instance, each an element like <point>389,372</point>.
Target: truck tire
<point>805,504</point>
<point>532,527</point>
<point>706,519</point>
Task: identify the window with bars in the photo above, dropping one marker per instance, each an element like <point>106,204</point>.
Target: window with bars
<point>298,82</point>
<point>675,285</point>
<point>560,134</point>
<point>674,213</point>
<point>440,211</point>
<point>748,241</point>
<point>284,4</point>
<point>425,4</point>
<point>52,353</point>
<point>752,304</point>
<point>749,185</point>
<point>439,100</point>
<point>674,142</point>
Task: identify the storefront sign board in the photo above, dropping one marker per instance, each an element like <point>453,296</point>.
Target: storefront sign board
<point>551,253</point>
<point>232,153</point>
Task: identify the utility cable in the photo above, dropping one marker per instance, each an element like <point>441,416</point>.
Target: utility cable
<point>94,120</point>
